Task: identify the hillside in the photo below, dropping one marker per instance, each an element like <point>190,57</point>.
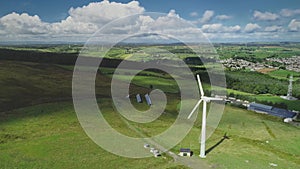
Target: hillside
<point>49,136</point>
<point>39,127</point>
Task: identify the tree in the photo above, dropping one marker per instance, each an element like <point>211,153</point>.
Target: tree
<point>282,67</point>
<point>151,86</point>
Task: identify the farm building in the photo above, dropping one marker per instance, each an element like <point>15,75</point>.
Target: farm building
<point>138,98</point>
<point>185,152</point>
<point>261,108</point>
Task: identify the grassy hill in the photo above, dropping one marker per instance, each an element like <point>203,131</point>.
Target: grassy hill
<point>39,127</point>
<point>49,136</point>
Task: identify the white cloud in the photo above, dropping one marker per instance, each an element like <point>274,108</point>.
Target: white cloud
<point>289,12</point>
<point>273,28</point>
<point>145,21</point>
<point>193,14</point>
<point>223,17</point>
<point>294,25</point>
<point>211,28</point>
<point>251,27</point>
<point>172,13</point>
<point>207,16</point>
<point>86,20</point>
<point>265,16</point>
<point>102,12</point>
<point>81,20</point>
<point>172,24</point>
<point>218,28</point>
<point>23,24</point>
<point>170,21</point>
<point>69,25</point>
<point>235,28</point>
<point>90,18</point>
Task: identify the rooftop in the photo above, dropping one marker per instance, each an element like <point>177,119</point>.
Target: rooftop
<point>262,106</point>
<point>187,150</point>
<point>283,113</point>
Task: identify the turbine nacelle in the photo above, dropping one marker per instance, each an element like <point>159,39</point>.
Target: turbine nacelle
<point>203,98</point>
<point>209,99</point>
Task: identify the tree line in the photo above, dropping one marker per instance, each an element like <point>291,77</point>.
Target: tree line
<point>258,83</point>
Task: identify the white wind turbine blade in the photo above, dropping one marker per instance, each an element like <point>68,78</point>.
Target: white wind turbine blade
<point>194,109</point>
<point>200,85</point>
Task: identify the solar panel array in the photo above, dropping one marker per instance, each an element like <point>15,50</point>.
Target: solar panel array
<point>148,99</point>
<point>138,98</point>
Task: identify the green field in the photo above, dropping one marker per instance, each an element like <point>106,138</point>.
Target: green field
<point>258,52</point>
<point>46,48</point>
<point>284,74</point>
<point>49,136</point>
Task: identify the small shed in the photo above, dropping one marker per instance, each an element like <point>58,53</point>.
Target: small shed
<point>138,98</point>
<point>185,152</point>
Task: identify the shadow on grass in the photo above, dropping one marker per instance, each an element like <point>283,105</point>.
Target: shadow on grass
<point>217,144</point>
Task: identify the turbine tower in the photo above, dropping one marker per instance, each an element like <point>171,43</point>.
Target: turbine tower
<point>205,100</point>
<point>289,95</point>
<point>290,89</point>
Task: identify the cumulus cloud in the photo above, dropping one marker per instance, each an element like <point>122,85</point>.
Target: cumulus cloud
<point>90,18</point>
<point>207,16</point>
<point>172,24</point>
<point>223,17</point>
<point>170,21</point>
<point>265,16</point>
<point>81,20</point>
<point>273,28</point>
<point>294,25</point>
<point>86,20</point>
<point>289,12</point>
<point>102,12</point>
<point>23,24</point>
<point>251,27</point>
<point>218,28</point>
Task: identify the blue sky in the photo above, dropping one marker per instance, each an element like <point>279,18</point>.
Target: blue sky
<point>230,20</point>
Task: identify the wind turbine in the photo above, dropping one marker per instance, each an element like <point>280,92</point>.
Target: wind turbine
<point>205,100</point>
